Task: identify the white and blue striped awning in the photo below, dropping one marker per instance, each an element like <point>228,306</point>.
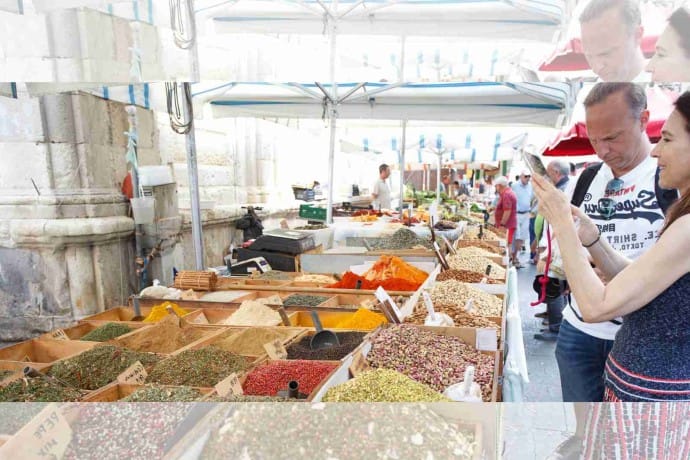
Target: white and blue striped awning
<point>537,20</point>
<point>545,104</point>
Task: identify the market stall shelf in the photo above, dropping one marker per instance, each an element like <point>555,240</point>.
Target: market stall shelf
<point>44,351</point>
<point>84,328</point>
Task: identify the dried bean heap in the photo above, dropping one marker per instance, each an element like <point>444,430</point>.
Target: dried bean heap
<point>403,238</point>
<point>464,276</point>
<point>497,250</point>
<point>107,332</point>
<point>270,378</point>
<point>382,385</point>
<point>197,368</point>
<point>338,431</point>
<point>460,317</point>
<point>156,393</point>
<point>433,359</point>
<point>299,300</point>
<point>453,292</point>
<point>472,233</point>
<point>99,366</point>
<point>474,251</point>
<point>39,389</point>
<point>476,264</point>
<point>348,342</point>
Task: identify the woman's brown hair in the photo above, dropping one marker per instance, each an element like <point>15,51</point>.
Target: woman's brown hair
<point>682,206</point>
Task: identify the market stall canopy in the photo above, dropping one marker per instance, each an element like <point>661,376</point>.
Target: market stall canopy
<point>537,20</point>
<point>547,104</point>
<point>574,140</point>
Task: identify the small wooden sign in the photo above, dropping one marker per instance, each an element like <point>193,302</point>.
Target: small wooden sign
<point>487,339</point>
<point>441,258</point>
<point>26,359</point>
<point>359,364</point>
<point>134,374</point>
<point>229,386</point>
<point>275,349</point>
<point>58,334</point>
<point>46,436</point>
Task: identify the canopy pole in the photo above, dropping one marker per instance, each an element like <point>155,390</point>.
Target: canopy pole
<point>193,174</point>
<point>333,106</point>
<point>438,179</point>
<point>402,167</point>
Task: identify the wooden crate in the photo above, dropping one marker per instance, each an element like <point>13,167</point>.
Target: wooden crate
<point>125,340</point>
<point>84,327</point>
<point>234,283</point>
<point>44,351</point>
<point>125,314</point>
<point>115,391</point>
<point>329,320</point>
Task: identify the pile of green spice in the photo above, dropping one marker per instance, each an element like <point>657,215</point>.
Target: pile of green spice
<point>299,300</point>
<point>39,389</point>
<point>402,239</point>
<point>156,393</point>
<point>198,368</point>
<point>274,275</point>
<point>348,342</point>
<point>99,366</point>
<point>107,332</point>
<point>383,385</point>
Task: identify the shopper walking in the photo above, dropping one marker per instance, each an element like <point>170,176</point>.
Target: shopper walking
<point>382,192</point>
<point>524,193</point>
<point>506,212</point>
<point>624,199</point>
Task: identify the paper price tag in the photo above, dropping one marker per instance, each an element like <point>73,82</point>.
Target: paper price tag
<point>46,436</point>
<point>359,364</point>
<point>134,374</point>
<point>449,245</point>
<point>429,305</point>
<point>383,296</point>
<point>469,306</point>
<point>486,340</point>
<point>201,319</point>
<point>275,349</point>
<point>58,334</point>
<point>26,359</point>
<point>229,386</point>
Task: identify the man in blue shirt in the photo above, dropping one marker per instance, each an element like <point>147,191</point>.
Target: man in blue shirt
<point>523,191</point>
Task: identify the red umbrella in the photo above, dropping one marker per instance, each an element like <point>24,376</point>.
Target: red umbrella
<point>574,141</point>
<point>572,58</point>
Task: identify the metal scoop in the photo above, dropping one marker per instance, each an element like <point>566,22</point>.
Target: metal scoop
<point>322,339</point>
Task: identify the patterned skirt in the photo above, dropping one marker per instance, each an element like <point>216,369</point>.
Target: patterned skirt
<point>623,384</point>
<point>637,431</point>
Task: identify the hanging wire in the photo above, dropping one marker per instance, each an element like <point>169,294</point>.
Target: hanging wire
<point>176,107</point>
<point>183,23</point>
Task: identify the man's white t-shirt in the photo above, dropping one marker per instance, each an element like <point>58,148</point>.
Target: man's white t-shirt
<point>383,195</point>
<point>632,230</point>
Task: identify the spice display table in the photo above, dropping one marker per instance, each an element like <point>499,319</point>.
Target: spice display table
<point>345,228</point>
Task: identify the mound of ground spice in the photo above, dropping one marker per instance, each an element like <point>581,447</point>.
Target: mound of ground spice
<point>251,341</point>
<point>197,368</point>
<point>165,337</point>
<point>348,342</point>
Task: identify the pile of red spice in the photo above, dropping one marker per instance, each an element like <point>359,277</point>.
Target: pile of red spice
<point>270,378</point>
<point>349,281</point>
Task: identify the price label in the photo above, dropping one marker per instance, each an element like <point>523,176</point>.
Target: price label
<point>201,319</point>
<point>486,340</point>
<point>46,436</point>
<point>229,386</point>
<point>134,374</point>
<point>26,359</point>
<point>275,349</point>
<point>449,245</point>
<point>487,273</point>
<point>59,334</point>
<point>429,305</point>
<point>469,306</point>
<point>359,364</point>
<point>384,297</point>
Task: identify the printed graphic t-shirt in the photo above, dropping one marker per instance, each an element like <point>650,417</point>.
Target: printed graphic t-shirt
<point>631,230</point>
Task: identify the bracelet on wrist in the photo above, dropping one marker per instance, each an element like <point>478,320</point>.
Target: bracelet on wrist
<point>593,242</point>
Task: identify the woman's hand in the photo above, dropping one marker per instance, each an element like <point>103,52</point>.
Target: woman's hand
<point>553,204</point>
<point>587,230</point>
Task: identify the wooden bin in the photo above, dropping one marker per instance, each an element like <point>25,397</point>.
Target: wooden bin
<point>44,351</point>
<point>124,340</point>
<point>115,391</point>
<point>83,328</point>
<point>125,314</point>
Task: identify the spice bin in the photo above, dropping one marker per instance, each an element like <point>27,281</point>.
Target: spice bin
<point>116,391</point>
<point>44,351</point>
<point>85,327</point>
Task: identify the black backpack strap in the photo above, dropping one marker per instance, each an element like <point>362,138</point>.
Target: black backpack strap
<point>583,183</point>
<point>665,197</point>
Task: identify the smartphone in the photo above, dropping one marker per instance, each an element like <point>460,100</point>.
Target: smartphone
<point>534,164</point>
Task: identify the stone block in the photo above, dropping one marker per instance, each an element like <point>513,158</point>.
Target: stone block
<point>17,328</point>
<point>147,128</point>
<point>21,120</point>
<point>24,36</point>
<point>21,162</point>
<point>68,70</point>
<point>64,32</point>
<point>114,272</point>
<point>59,114</point>
<point>98,35</point>
<point>122,40</point>
<point>91,119</point>
<point>98,70</point>
<point>106,166</point>
<point>148,157</point>
<point>65,172</point>
<point>83,294</point>
<point>26,69</point>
